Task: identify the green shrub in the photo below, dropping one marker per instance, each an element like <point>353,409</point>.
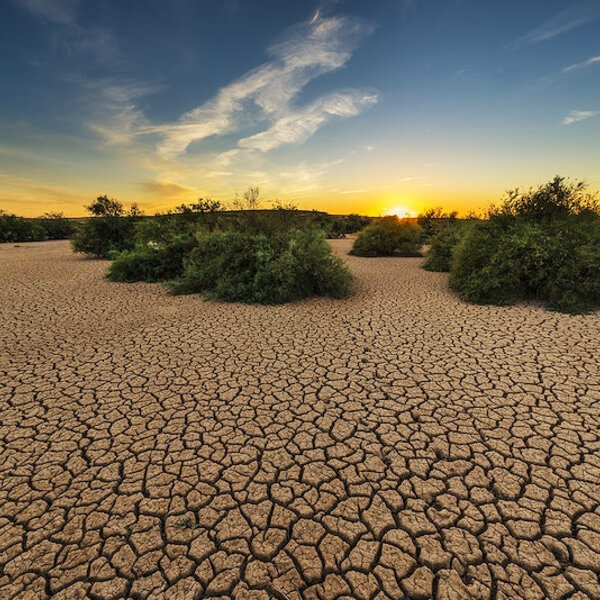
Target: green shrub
<point>431,220</point>
<point>337,227</point>
<point>388,236</point>
<point>333,228</point>
<point>55,226</point>
<point>543,245</point>
<point>444,240</point>
<point>259,268</point>
<point>110,230</point>
<point>559,198</point>
<point>51,226</point>
<point>354,223</point>
<point>151,262</point>
<point>14,229</point>
<point>483,267</point>
<point>103,236</point>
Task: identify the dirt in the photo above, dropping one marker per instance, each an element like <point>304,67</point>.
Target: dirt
<point>396,444</point>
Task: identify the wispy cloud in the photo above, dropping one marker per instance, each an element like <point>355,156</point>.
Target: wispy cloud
<point>260,111</point>
<point>571,18</point>
<point>311,49</point>
<point>579,115</point>
<point>56,11</point>
<point>300,125</point>
<point>118,117</point>
<point>581,65</point>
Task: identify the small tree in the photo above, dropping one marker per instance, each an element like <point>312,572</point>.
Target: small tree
<point>202,206</point>
<point>250,199</point>
<point>103,206</point>
<point>110,229</point>
<point>135,211</point>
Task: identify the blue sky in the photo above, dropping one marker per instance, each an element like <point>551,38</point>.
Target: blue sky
<point>374,107</point>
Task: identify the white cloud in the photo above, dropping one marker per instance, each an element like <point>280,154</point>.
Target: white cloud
<point>300,125</point>
<point>261,109</point>
<point>581,65</point>
<point>117,117</point>
<point>579,115</point>
<point>305,52</point>
<point>568,19</point>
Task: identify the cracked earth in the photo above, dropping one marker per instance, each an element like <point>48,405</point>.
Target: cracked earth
<point>396,444</point>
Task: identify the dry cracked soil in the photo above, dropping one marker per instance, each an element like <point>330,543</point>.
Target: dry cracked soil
<point>395,444</point>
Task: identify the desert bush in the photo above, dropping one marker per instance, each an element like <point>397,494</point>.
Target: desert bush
<point>388,236</point>
<point>337,227</point>
<point>259,268</point>
<point>443,241</point>
<point>14,228</point>
<point>559,198</point>
<point>151,262</point>
<point>51,226</point>
<point>55,226</point>
<point>109,230</point>
<point>334,228</point>
<point>543,244</point>
<point>354,223</point>
<point>431,220</point>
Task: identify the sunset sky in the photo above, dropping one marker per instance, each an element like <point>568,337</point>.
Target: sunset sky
<point>371,107</point>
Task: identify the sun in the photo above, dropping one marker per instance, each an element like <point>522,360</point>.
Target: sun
<point>402,212</point>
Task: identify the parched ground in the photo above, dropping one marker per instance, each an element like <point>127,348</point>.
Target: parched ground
<point>397,444</point>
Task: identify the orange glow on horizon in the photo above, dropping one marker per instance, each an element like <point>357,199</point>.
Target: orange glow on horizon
<point>402,212</point>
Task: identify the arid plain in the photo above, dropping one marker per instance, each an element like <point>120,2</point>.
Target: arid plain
<point>396,444</point>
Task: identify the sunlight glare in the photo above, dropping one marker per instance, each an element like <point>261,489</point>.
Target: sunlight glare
<point>401,212</point>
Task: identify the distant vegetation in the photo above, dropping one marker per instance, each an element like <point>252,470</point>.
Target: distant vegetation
<point>388,236</point>
<point>111,229</point>
<point>51,226</point>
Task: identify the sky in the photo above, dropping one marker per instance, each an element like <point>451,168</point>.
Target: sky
<point>379,107</point>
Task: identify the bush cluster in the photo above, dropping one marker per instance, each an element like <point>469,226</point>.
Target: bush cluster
<point>51,226</point>
<point>443,240</point>
<point>432,220</point>
<point>243,266</point>
<point>337,227</point>
<point>247,255</point>
<point>152,261</point>
<point>388,236</point>
<point>543,244</point>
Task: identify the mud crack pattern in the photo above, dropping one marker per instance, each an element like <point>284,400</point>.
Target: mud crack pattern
<point>396,444</point>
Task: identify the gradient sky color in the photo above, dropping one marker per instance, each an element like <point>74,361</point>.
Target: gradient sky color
<point>371,107</point>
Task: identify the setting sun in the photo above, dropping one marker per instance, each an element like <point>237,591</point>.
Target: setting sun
<point>403,212</point>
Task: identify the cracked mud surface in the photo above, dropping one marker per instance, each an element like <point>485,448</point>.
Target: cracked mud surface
<point>397,444</point>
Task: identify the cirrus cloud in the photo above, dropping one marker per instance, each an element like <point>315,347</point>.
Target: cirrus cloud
<point>265,95</point>
<point>579,115</point>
